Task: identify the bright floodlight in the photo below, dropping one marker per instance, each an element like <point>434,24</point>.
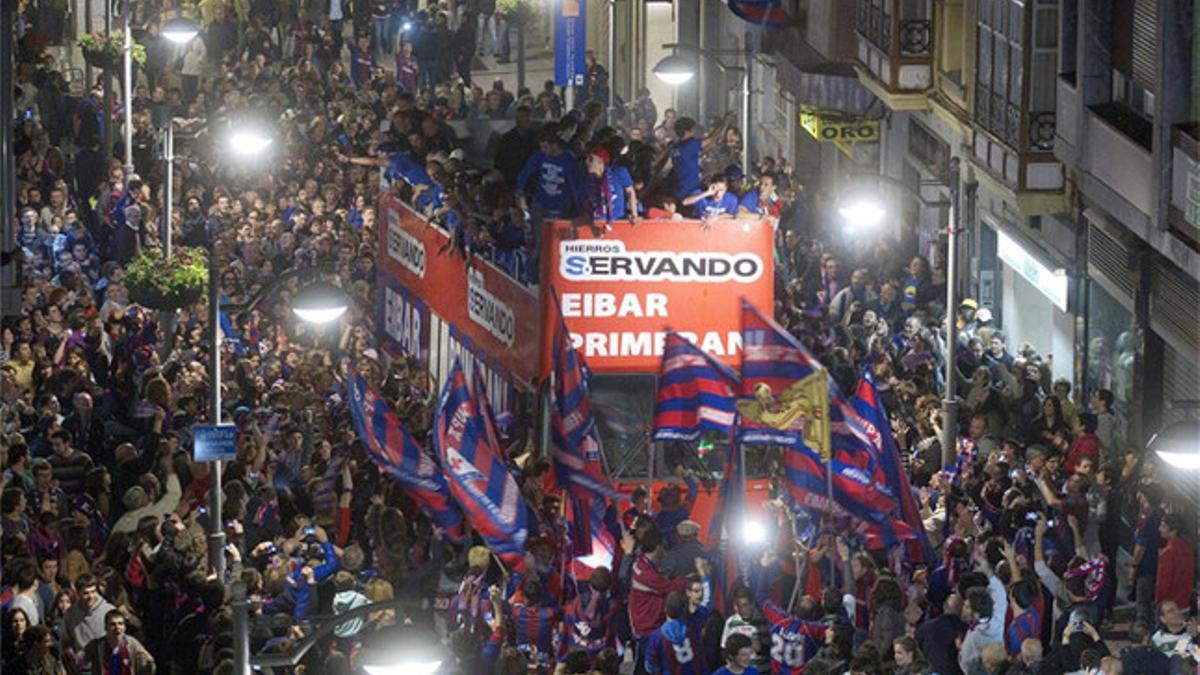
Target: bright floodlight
<point>862,214</point>
<point>754,532</point>
<point>249,141</point>
<point>407,26</point>
<point>675,70</point>
<point>180,30</point>
<point>320,303</point>
<point>1179,445</point>
<point>405,668</point>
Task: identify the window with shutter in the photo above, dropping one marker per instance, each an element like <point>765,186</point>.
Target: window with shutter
<point>1145,43</point>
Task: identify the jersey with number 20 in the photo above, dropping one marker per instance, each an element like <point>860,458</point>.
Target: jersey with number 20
<point>793,641</point>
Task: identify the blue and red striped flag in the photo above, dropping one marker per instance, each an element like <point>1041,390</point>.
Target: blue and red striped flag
<point>796,404</point>
<point>391,447</point>
<point>870,407</point>
<point>575,448</point>
<point>769,13</point>
<point>478,478</point>
<point>485,412</point>
<point>696,393</point>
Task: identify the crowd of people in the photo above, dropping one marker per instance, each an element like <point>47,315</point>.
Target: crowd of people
<point>1047,527</point>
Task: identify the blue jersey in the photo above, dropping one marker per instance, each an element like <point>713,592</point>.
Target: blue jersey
<point>535,627</point>
<point>709,207</point>
<point>685,156</point>
<point>670,651</point>
<point>793,641</point>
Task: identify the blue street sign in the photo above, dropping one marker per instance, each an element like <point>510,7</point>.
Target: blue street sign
<point>215,443</point>
<point>570,43</point>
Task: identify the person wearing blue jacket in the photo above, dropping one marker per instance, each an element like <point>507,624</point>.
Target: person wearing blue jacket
<point>299,595</point>
<point>670,650</point>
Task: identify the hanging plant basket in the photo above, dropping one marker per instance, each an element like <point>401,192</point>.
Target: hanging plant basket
<point>156,282</point>
<point>99,59</point>
<point>153,298</point>
<point>108,51</point>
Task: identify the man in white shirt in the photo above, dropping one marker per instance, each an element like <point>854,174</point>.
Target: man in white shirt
<point>985,608</point>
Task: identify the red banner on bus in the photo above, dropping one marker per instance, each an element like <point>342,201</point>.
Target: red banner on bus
<point>472,303</point>
<point>621,290</point>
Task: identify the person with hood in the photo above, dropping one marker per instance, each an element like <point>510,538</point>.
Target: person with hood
<point>347,598</point>
<point>670,650</point>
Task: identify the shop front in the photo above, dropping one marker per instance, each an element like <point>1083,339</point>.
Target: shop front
<point>1032,294</point>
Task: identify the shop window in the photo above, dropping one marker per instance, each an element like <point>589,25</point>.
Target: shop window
<point>1068,40</point>
<point>931,152</point>
<point>1113,344</point>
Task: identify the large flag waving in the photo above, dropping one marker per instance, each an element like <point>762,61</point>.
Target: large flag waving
<point>575,447</point>
<point>478,478</point>
<point>870,407</point>
<point>393,448</point>
<point>788,389</point>
<point>829,448</point>
<point>696,394</point>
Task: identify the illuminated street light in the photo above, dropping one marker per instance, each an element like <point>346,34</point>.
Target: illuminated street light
<point>249,141</point>
<point>403,650</point>
<point>320,303</point>
<point>180,30</point>
<point>1179,445</point>
<point>675,70</point>
<point>864,214</point>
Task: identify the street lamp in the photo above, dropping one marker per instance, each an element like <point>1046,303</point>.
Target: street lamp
<point>1179,445</point>
<point>862,214</point>
<point>675,70</point>
<point>403,650</point>
<point>180,30</point>
<point>249,141</point>
<point>320,303</point>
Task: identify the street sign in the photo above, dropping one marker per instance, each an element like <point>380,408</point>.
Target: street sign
<point>570,43</point>
<point>215,442</point>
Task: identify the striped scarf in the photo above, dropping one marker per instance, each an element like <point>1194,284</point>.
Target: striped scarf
<point>120,662</point>
<point>1096,571</point>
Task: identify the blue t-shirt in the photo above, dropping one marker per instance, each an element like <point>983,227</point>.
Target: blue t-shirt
<point>686,158</point>
<point>558,181</point>
<point>752,203</point>
<point>709,207</point>
<point>403,167</point>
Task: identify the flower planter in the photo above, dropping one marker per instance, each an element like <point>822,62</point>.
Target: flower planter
<point>99,59</point>
<point>153,298</point>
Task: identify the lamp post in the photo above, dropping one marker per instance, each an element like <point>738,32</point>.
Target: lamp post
<point>675,70</point>
<point>865,214</point>
<point>244,143</point>
<point>127,93</point>
<point>180,31</point>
